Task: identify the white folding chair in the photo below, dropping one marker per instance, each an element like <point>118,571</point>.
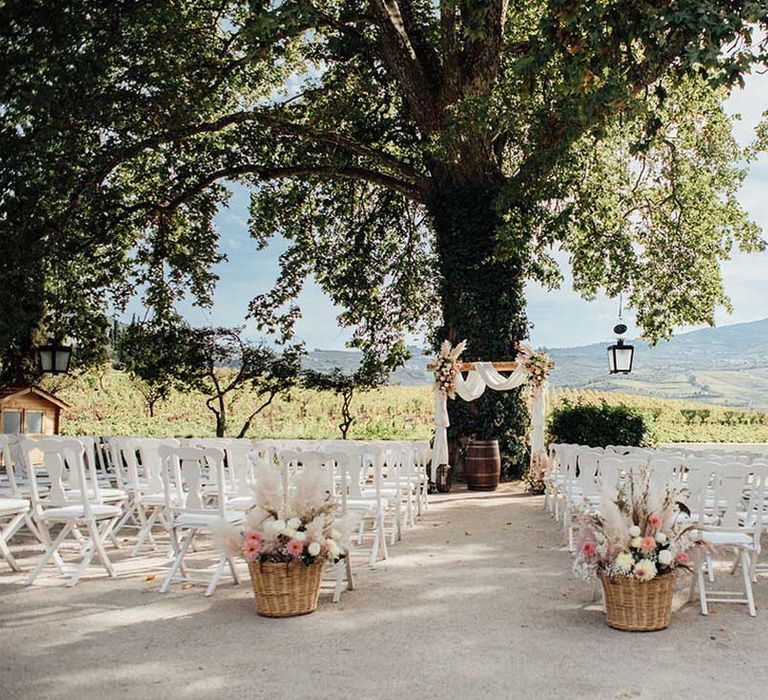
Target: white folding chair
<point>187,509</point>
<point>75,509</point>
<point>730,524</point>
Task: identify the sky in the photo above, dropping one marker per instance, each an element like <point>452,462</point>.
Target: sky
<point>560,318</point>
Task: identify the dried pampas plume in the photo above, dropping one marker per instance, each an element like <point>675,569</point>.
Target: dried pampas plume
<point>311,488</point>
<point>226,538</point>
<point>268,492</point>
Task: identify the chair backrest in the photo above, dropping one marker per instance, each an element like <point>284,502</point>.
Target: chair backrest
<point>184,475</point>
<point>7,452</point>
<point>114,448</point>
<point>241,459</point>
<point>57,452</point>
<point>729,485</point>
<point>341,461</point>
<point>696,479</point>
<point>293,462</point>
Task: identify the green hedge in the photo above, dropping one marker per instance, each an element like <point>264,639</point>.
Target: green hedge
<point>598,425</point>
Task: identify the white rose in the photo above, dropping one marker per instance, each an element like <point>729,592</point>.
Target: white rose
<point>278,527</point>
<point>313,549</point>
<point>661,538</point>
<point>294,523</point>
<point>665,557</point>
<point>636,542</point>
<point>645,570</point>
<point>634,531</point>
<point>300,536</point>
<point>624,562</point>
<point>289,532</point>
<point>333,549</point>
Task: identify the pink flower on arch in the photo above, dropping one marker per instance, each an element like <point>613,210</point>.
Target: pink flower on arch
<point>294,548</point>
<point>251,550</point>
<point>682,558</point>
<point>589,548</point>
<point>654,521</point>
<point>648,544</point>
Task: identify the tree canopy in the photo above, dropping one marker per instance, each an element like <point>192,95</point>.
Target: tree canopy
<point>418,156</point>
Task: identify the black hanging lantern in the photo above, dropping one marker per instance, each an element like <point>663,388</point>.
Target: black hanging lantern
<point>620,354</point>
<point>54,357</point>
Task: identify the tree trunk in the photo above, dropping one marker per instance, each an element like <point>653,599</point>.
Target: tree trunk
<point>482,298</point>
<point>221,418</point>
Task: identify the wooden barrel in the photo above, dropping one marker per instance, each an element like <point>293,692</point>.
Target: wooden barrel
<point>482,465</point>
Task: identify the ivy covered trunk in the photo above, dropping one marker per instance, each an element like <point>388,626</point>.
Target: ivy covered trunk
<point>483,301</point>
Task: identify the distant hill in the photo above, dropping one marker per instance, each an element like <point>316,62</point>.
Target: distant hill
<point>727,366</point>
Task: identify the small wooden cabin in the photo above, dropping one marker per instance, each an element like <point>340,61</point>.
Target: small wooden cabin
<point>30,410</point>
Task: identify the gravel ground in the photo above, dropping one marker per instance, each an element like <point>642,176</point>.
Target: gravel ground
<point>476,602</point>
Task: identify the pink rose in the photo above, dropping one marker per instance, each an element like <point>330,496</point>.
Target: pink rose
<point>251,550</point>
<point>654,521</point>
<point>682,558</point>
<point>588,549</point>
<point>252,536</point>
<point>294,548</point>
<point>648,544</point>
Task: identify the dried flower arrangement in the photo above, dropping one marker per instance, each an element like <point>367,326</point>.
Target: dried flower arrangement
<point>447,367</point>
<point>298,526</point>
<point>638,533</point>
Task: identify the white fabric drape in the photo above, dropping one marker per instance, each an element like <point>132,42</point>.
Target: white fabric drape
<point>471,388</point>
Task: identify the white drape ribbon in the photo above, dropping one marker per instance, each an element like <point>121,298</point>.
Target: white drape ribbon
<point>471,388</point>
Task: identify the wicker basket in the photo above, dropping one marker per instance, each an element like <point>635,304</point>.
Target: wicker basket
<point>285,590</point>
<point>638,606</point>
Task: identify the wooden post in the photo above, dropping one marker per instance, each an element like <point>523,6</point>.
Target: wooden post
<point>506,366</point>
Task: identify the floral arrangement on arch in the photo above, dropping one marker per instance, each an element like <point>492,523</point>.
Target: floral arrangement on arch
<point>638,532</point>
<point>539,365</point>
<point>299,526</point>
<point>447,367</point>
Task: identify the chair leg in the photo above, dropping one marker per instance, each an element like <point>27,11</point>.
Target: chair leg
<point>47,542</point>
<point>5,553</point>
<point>348,567</point>
<point>216,574</point>
<point>98,541</point>
<point>175,547</point>
<point>339,582</point>
<point>129,511</point>
<point>702,588</point>
<point>88,554</point>
<point>180,554</point>
<point>710,570</point>
<point>745,568</point>
<point>233,569</point>
<point>145,532</point>
<point>30,523</point>
<point>49,553</point>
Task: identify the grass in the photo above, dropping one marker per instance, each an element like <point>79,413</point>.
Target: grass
<point>107,403</point>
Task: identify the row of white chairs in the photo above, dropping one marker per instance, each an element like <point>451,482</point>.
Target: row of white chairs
<point>96,489</point>
<point>724,492</point>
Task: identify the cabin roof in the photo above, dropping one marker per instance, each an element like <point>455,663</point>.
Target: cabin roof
<point>12,392</point>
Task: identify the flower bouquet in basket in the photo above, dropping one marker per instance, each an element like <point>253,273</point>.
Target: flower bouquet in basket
<point>287,540</point>
<point>635,545</point>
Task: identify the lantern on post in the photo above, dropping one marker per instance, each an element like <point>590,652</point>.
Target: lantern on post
<point>54,356</point>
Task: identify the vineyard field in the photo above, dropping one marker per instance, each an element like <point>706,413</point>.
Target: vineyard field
<point>109,404</point>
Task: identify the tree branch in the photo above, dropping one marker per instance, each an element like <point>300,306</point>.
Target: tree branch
<point>399,54</point>
<point>319,171</point>
<point>277,124</point>
<point>480,59</point>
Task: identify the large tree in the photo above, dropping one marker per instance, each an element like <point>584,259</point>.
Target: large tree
<point>422,158</point>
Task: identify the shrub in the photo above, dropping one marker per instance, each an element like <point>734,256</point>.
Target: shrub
<point>598,425</point>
